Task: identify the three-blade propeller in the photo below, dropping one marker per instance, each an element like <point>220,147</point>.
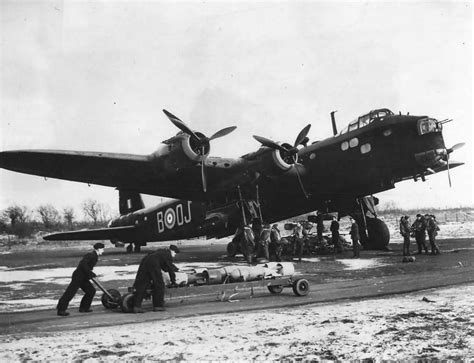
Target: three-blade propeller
<point>449,151</point>
<point>289,153</point>
<point>202,141</point>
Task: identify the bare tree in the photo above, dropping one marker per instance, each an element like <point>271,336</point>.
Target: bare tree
<point>96,211</point>
<point>16,214</point>
<point>68,215</point>
<point>19,218</point>
<point>49,215</point>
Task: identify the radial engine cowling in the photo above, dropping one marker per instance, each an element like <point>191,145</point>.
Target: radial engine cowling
<point>181,151</point>
<point>276,162</point>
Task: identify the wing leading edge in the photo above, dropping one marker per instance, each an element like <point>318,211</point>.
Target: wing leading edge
<point>121,233</point>
<point>108,169</point>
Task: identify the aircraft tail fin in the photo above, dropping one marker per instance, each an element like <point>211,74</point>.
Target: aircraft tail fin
<point>129,201</point>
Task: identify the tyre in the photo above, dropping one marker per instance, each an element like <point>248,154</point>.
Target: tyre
<point>301,287</point>
<point>111,303</point>
<point>275,289</point>
<point>127,303</point>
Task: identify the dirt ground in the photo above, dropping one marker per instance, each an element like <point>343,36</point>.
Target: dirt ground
<point>373,308</point>
<point>431,324</point>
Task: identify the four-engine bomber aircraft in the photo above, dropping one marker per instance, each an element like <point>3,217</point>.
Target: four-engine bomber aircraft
<point>216,195</point>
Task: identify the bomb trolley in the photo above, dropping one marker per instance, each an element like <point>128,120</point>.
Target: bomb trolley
<point>227,291</point>
<point>111,298</point>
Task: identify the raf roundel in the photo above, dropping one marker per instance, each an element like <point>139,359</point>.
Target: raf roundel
<point>170,218</point>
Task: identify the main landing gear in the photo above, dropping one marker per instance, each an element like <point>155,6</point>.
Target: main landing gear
<point>374,233</point>
<point>133,247</point>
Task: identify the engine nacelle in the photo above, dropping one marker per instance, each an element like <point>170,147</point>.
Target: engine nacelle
<point>273,162</point>
<point>181,151</point>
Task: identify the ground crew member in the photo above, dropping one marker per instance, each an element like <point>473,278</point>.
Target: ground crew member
<point>355,237</point>
<point>405,232</point>
<point>307,226</point>
<point>319,226</point>
<point>335,235</point>
<point>249,243</point>
<point>276,243</point>
<point>298,240</point>
<point>150,271</point>
<point>419,229</point>
<point>433,228</point>
<point>264,242</point>
<point>80,279</point>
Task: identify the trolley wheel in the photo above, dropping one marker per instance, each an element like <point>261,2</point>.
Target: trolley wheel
<point>275,289</point>
<point>127,303</point>
<point>111,303</point>
<point>301,287</point>
<point>232,249</point>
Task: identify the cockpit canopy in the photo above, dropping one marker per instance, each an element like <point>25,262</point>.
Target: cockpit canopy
<point>367,119</point>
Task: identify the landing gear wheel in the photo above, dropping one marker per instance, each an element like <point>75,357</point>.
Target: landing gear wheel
<point>137,248</point>
<point>301,287</point>
<point>111,303</point>
<point>379,235</point>
<point>275,289</point>
<point>127,303</point>
<point>130,248</point>
<point>231,249</point>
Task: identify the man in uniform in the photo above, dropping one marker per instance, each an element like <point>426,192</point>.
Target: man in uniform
<point>275,239</point>
<point>319,226</point>
<point>419,228</point>
<point>432,229</point>
<point>298,240</point>
<point>335,234</point>
<point>405,232</point>
<point>264,242</point>
<point>150,271</point>
<point>355,237</point>
<point>80,279</point>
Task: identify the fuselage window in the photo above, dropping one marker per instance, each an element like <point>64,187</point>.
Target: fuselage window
<point>364,149</point>
<point>364,120</point>
<point>387,132</point>
<point>344,146</point>
<point>312,156</point>
<point>353,126</point>
<point>354,142</point>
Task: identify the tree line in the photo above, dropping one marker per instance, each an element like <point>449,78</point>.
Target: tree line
<point>23,221</point>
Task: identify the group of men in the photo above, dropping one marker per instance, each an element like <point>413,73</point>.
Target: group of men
<point>149,275</point>
<point>423,225</point>
<point>259,240</point>
<point>336,238</point>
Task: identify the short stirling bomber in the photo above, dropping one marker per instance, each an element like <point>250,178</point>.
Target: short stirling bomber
<point>214,196</point>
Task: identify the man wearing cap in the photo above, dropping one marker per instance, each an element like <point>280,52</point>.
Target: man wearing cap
<point>80,279</point>
<point>150,271</point>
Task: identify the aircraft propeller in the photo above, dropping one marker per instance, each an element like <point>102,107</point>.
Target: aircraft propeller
<point>289,153</point>
<point>201,141</point>
<point>449,151</point>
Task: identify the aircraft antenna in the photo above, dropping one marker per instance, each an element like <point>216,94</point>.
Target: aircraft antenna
<point>333,120</point>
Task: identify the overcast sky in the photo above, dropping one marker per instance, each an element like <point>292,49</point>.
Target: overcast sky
<point>96,75</point>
